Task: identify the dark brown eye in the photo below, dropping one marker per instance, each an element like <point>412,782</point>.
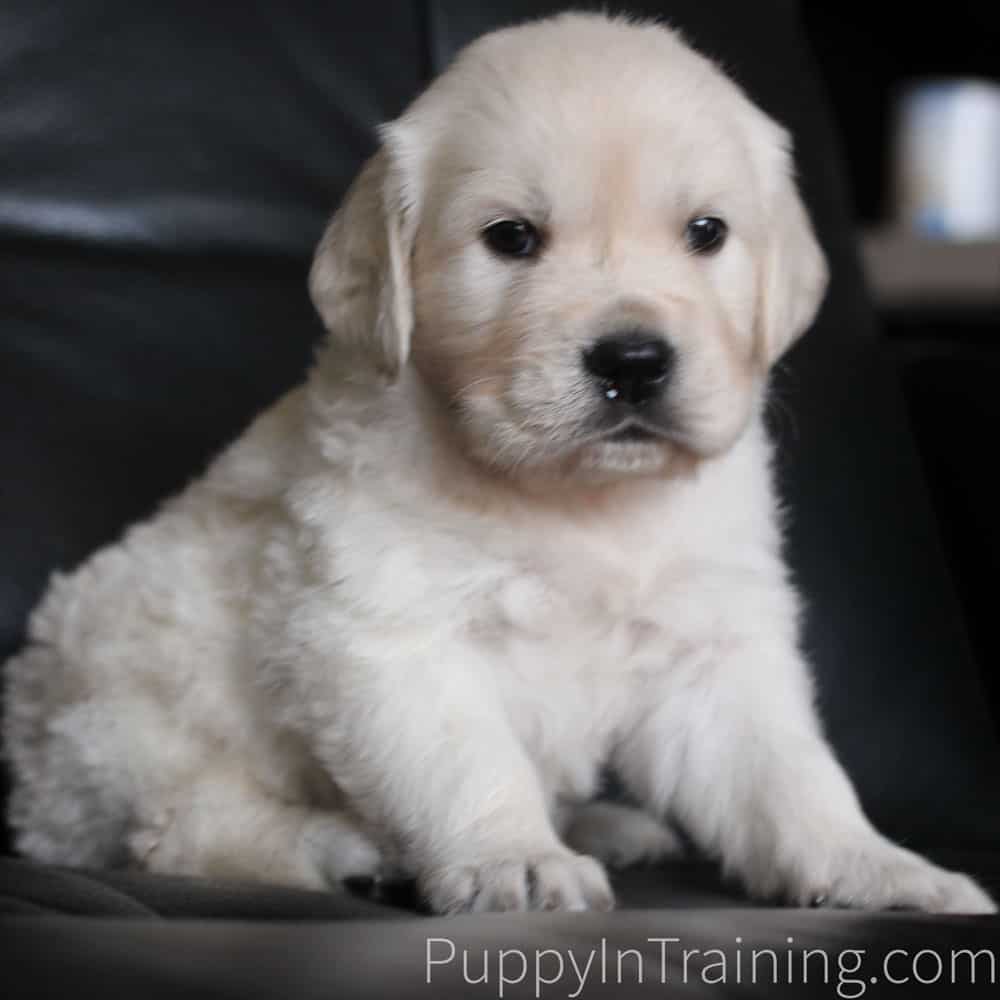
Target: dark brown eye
<point>512,238</point>
<point>706,234</point>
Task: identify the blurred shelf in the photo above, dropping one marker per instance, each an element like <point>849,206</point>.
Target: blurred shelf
<point>905,271</point>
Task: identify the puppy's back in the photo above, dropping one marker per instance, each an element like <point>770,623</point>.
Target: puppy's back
<point>134,666</point>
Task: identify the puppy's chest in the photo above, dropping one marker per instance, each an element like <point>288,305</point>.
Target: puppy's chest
<point>569,642</point>
<point>572,616</point>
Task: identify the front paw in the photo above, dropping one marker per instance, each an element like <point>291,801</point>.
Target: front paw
<point>874,874</point>
<point>522,880</point>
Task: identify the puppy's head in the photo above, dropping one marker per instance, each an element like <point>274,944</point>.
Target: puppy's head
<point>589,244</point>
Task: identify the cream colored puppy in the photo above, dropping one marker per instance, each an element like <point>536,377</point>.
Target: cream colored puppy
<point>518,525</point>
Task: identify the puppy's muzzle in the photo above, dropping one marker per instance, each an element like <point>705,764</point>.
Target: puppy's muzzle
<point>630,367</point>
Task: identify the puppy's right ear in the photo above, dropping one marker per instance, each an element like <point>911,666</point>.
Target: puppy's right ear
<point>360,277</point>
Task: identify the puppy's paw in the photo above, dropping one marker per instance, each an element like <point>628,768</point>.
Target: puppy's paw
<point>335,845</point>
<point>621,836</point>
<point>875,874</point>
<point>542,880</point>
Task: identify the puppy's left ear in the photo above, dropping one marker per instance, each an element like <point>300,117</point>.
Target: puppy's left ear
<point>360,277</point>
<point>794,274</point>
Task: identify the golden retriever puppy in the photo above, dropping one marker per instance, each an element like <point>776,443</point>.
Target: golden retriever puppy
<point>517,526</point>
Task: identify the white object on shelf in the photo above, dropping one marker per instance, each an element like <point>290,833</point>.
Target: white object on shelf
<point>947,159</point>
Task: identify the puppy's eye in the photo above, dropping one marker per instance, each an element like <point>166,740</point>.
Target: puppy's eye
<point>512,238</point>
<point>706,234</point>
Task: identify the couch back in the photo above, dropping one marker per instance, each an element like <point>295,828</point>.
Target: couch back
<point>166,169</point>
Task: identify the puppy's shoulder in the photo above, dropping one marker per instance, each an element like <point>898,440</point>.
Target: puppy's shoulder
<point>259,464</point>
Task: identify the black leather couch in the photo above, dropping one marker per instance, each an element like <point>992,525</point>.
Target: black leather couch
<point>165,170</point>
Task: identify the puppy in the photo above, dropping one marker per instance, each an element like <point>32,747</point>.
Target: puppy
<point>517,526</point>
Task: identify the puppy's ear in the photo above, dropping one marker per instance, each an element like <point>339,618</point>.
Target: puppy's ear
<point>794,274</point>
<point>360,277</point>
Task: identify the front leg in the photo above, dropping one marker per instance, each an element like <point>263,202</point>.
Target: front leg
<point>424,752</point>
<point>734,751</point>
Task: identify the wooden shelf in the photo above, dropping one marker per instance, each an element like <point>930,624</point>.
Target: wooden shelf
<point>906,271</point>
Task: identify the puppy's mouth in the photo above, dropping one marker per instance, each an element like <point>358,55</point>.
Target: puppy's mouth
<point>635,432</point>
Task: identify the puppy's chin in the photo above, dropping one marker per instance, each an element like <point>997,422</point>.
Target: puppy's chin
<point>610,460</point>
<point>549,464</point>
<point>556,457</point>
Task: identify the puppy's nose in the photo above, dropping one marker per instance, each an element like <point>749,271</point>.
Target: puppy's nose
<point>633,365</point>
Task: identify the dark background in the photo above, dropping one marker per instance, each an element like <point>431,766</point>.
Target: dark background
<point>948,356</point>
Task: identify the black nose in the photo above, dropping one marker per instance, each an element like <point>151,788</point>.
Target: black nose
<point>633,366</point>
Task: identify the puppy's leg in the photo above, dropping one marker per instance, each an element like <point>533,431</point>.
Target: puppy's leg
<point>620,836</point>
<point>223,829</point>
<point>424,751</point>
<point>735,751</point>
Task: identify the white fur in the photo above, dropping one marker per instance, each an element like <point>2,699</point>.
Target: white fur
<point>411,613</point>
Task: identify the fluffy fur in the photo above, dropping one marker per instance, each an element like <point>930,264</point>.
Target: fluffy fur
<point>408,616</point>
